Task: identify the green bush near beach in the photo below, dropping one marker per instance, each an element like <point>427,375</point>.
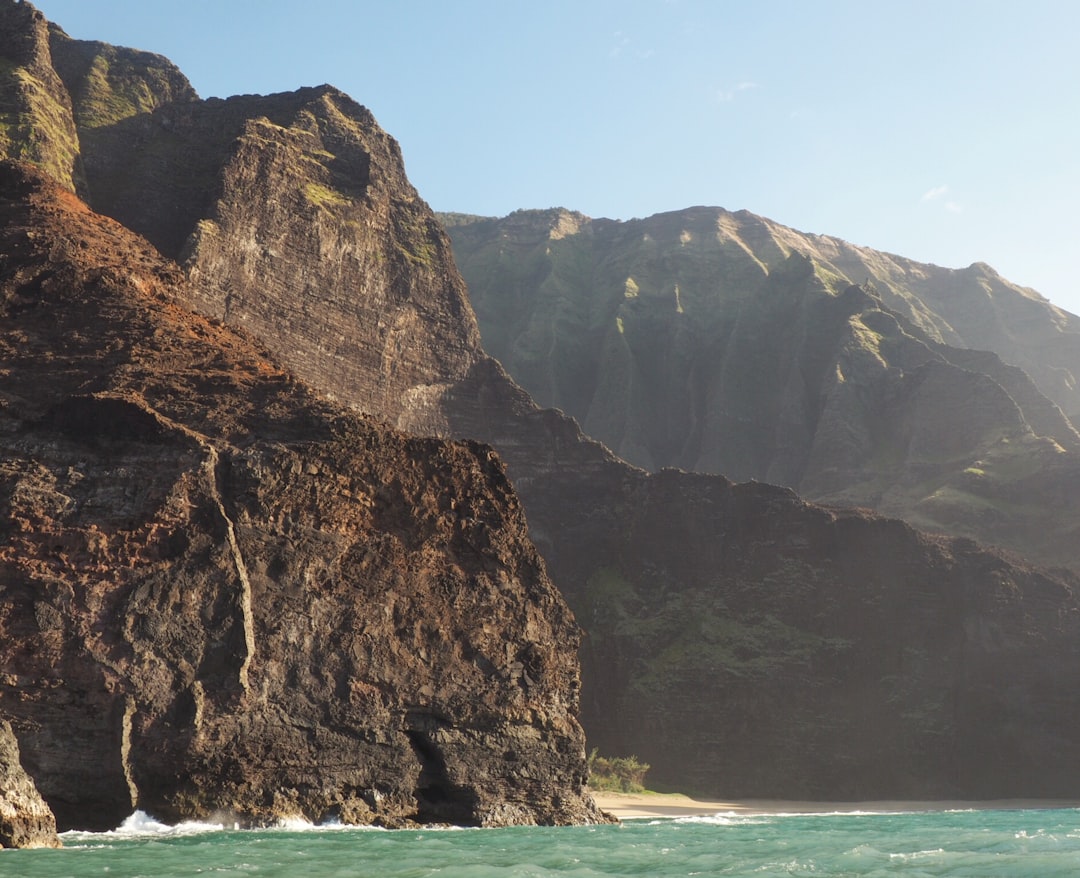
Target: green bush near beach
<point>618,775</point>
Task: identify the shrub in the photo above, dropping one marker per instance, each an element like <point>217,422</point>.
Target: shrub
<point>623,774</point>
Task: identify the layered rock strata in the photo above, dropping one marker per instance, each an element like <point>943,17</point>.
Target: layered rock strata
<point>705,596</point>
<point>221,594</point>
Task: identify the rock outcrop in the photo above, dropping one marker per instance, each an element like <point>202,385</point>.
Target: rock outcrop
<point>36,121</point>
<point>25,819</point>
<point>222,594</point>
<point>294,226</point>
<point>725,343</point>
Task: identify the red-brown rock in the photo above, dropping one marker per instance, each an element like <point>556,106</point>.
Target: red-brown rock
<point>220,593</point>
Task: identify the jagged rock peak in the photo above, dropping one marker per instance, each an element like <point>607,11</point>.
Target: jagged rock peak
<point>288,210</point>
<point>24,37</point>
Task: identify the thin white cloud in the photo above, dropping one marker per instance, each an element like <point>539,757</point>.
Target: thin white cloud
<point>726,95</point>
<point>940,192</point>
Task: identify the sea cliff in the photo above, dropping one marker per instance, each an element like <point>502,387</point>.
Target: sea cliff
<point>259,559</point>
<point>221,593</point>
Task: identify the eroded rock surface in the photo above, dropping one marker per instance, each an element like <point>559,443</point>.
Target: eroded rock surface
<point>707,597</point>
<point>222,594</point>
<point>25,819</point>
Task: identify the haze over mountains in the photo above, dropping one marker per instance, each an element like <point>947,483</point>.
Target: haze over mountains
<point>277,293</point>
<point>727,343</point>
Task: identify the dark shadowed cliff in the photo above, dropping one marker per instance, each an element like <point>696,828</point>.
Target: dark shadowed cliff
<point>816,653</point>
<point>220,593</point>
<point>25,820</point>
<point>709,608</point>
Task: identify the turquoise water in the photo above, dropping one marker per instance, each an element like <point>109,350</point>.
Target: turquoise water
<point>972,844</point>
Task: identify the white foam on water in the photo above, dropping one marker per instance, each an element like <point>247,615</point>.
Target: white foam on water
<point>142,825</point>
<point>738,818</point>
<point>297,824</point>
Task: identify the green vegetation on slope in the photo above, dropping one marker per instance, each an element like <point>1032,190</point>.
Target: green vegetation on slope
<point>35,125</point>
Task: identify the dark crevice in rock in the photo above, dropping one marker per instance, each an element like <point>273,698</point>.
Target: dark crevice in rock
<point>438,798</point>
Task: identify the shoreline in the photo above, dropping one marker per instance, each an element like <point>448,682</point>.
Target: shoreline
<point>629,806</point>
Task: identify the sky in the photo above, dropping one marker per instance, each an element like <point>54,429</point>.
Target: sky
<point>945,131</point>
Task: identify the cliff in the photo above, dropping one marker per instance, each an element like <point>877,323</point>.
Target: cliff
<point>745,642</point>
<point>726,343</point>
<point>36,122</point>
<point>335,230</point>
<point>803,652</point>
<point>223,594</point>
<point>25,819</point>
<point>702,600</point>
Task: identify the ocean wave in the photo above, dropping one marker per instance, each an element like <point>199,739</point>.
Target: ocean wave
<point>142,825</point>
<point>734,818</point>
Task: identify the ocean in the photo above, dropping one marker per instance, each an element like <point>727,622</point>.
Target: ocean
<point>972,844</point>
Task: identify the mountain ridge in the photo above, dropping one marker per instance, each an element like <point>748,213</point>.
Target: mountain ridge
<point>722,342</point>
<point>891,272</point>
<point>702,599</point>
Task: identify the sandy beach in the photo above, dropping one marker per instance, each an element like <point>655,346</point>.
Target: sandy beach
<point>636,805</point>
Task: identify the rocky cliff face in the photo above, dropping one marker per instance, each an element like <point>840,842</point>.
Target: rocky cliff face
<point>25,819</point>
<point>287,210</point>
<point>36,122</point>
<point>725,343</point>
<point>220,593</point>
<point>708,598</point>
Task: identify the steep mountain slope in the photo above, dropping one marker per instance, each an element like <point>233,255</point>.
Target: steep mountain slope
<point>686,584</point>
<point>222,594</point>
<point>704,262</point>
<point>36,122</point>
<point>336,227</point>
<point>725,343</point>
<point>744,642</point>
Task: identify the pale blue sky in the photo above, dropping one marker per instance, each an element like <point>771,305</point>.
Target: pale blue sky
<point>945,131</point>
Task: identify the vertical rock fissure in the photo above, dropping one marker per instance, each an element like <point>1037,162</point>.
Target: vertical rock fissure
<point>125,751</point>
<point>213,468</point>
